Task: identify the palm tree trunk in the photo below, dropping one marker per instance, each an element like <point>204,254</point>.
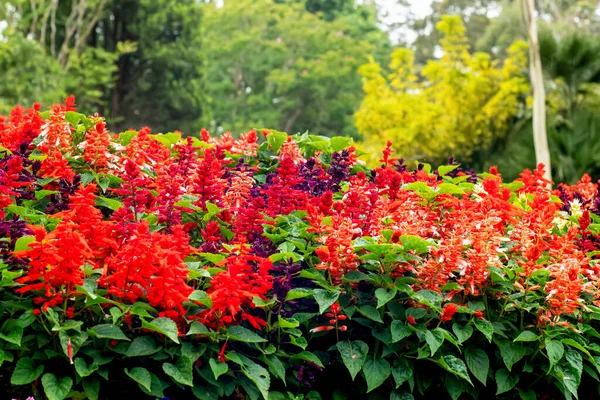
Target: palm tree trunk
<point>540,138</point>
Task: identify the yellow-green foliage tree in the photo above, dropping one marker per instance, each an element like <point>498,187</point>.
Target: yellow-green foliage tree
<point>456,104</point>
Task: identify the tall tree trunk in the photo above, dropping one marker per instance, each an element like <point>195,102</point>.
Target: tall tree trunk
<point>540,138</point>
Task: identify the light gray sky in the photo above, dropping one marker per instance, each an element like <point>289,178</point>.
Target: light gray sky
<point>397,13</point>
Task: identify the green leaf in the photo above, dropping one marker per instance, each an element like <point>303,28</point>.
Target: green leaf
<point>575,362</point>
<point>180,372</point>
<point>484,327</point>
<point>401,396</point>
<point>260,376</point>
<point>462,332</point>
<point>275,366</point>
<point>91,386</point>
<point>197,328</point>
<point>218,368</point>
<point>308,356</point>
<point>448,188</point>
<point>325,299</point>
<point>456,366</point>
<point>399,331</point>
<point>429,298</point>
<point>416,243</point>
<point>478,363</point>
<point>26,371</point>
<point>165,326</point>
<point>22,243</point>
<point>242,334</point>
<point>107,331</point>
<point>526,336</point>
<point>56,389</point>
<point>142,376</point>
<point>354,355</point>
<point>402,371</point>
<point>276,139</point>
<point>384,295</point>
<point>339,143</point>
<point>376,372</point>
<point>445,169</point>
<point>111,204</point>
<point>14,336</point>
<point>142,346</point>
<point>527,394</point>
<point>434,339</point>
<point>511,353</point>
<point>370,312</point>
<point>68,325</point>
<point>83,369</point>
<point>555,350</point>
<point>287,323</point>
<point>505,381</point>
<point>298,293</point>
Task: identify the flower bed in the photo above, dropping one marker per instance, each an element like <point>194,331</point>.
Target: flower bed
<point>156,265</point>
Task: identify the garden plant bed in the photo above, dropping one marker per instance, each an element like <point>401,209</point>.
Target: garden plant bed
<point>281,267</point>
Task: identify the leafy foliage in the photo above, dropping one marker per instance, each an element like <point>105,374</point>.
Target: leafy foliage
<point>139,264</point>
<point>461,104</point>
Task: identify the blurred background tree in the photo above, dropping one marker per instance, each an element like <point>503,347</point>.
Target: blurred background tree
<point>293,65</point>
<point>278,66</point>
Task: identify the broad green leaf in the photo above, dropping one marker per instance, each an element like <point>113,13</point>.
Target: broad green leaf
<point>339,143</point>
<point>526,336</point>
<point>325,299</point>
<point>308,356</point>
<point>14,336</point>
<point>26,371</point>
<point>416,243</point>
<point>399,331</point>
<point>107,331</point>
<point>462,332</point>
<point>197,328</point>
<point>384,295</point>
<point>484,327</point>
<point>286,323</point>
<point>478,363</point>
<point>401,396</point>
<point>354,355</point>
<point>402,371</point>
<point>275,366</point>
<point>181,372</point>
<point>83,369</point>
<point>434,339</point>
<point>575,361</point>
<point>111,204</point>
<point>218,368</point>
<point>242,334</point>
<point>298,293</point>
<point>505,381</point>
<point>141,376</point>
<point>68,325</point>
<point>376,372</point>
<point>443,170</point>
<point>555,350</point>
<point>91,386</point>
<point>370,312</point>
<point>527,394</point>
<point>142,346</point>
<point>511,353</point>
<point>23,243</point>
<point>163,325</point>
<point>56,389</point>
<point>456,366</point>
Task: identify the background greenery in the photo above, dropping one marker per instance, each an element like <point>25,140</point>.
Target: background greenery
<point>292,65</point>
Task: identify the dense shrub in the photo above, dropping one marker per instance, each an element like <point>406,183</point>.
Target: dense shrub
<point>137,264</point>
